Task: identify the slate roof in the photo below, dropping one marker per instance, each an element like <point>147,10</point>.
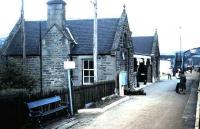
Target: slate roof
<point>32,30</point>
<point>82,31</point>
<point>143,45</point>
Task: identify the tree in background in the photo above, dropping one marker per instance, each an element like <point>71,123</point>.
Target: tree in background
<point>15,76</point>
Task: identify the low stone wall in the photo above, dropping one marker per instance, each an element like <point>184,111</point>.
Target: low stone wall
<point>198,109</point>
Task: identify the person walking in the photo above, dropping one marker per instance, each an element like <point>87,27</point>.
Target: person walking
<point>177,75</point>
<point>183,81</point>
<point>169,74</point>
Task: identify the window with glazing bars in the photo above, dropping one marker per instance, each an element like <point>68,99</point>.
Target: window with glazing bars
<point>88,71</point>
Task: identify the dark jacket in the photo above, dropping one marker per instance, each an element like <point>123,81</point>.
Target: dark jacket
<point>182,79</point>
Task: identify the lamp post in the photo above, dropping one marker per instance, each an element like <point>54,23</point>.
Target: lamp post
<point>23,33</point>
<point>180,38</point>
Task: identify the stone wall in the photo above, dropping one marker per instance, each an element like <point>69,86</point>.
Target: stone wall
<point>78,71</point>
<point>124,56</point>
<point>106,68</point>
<point>149,73</point>
<point>54,52</point>
<point>156,66</point>
<point>128,65</point>
<point>122,49</point>
<point>32,65</point>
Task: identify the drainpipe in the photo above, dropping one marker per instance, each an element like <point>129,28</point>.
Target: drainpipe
<point>40,45</point>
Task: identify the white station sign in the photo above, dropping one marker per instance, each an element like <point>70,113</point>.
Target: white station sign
<point>69,65</point>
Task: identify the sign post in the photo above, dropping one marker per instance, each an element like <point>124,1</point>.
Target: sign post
<point>69,65</point>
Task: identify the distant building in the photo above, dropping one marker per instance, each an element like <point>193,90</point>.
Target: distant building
<point>147,58</point>
<point>167,57</point>
<point>187,59</point>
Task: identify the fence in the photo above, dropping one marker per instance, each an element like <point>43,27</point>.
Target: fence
<point>14,113</point>
<point>91,93</point>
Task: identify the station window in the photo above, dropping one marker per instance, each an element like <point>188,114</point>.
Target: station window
<point>88,72</point>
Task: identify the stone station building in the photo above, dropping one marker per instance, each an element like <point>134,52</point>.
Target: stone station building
<point>49,43</point>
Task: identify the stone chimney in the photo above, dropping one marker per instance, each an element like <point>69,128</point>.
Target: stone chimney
<point>56,13</point>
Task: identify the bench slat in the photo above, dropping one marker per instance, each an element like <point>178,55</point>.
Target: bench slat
<point>54,110</point>
<point>43,102</point>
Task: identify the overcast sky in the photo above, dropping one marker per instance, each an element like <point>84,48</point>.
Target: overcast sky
<point>144,17</point>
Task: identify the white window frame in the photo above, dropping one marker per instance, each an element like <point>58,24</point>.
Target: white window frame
<point>89,76</point>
